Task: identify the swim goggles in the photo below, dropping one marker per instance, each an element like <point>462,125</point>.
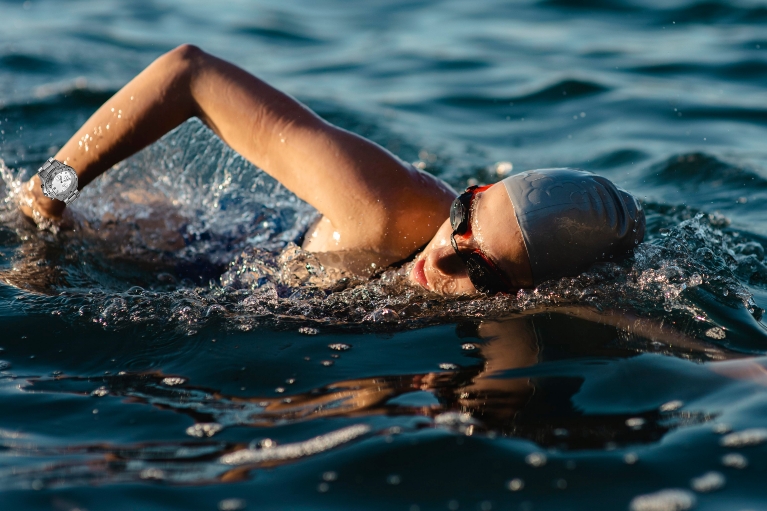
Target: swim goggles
<point>484,274</point>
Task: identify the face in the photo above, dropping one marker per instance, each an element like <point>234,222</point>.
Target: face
<point>61,182</point>
<point>494,231</point>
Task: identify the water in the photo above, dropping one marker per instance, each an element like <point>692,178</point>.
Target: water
<point>177,351</point>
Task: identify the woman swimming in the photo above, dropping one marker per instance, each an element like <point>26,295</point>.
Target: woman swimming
<point>537,226</point>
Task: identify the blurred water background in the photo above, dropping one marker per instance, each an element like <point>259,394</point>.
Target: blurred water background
<point>176,351</point>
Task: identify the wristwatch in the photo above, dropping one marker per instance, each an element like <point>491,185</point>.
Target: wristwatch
<point>59,181</point>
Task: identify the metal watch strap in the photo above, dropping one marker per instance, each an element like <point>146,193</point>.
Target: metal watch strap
<point>72,197</point>
<point>48,167</point>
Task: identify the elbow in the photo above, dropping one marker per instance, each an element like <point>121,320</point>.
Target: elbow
<point>186,54</point>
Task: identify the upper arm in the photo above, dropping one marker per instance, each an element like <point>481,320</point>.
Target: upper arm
<point>371,197</point>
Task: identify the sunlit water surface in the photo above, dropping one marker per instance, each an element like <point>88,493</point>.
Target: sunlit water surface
<point>175,349</point>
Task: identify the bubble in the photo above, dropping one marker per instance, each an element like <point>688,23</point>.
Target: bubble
<point>630,458</point>
<point>231,504</point>
<point>515,484</point>
<point>734,460</point>
<point>710,481</point>
<point>204,429</point>
<point>394,479</point>
<point>664,500</point>
<point>751,436</point>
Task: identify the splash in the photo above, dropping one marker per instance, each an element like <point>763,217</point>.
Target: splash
<point>187,234</point>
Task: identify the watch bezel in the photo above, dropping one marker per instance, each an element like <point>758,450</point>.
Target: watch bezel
<point>70,189</point>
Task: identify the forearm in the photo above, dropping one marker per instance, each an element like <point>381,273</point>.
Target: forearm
<point>150,105</point>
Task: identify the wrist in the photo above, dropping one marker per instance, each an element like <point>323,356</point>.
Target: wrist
<point>46,206</point>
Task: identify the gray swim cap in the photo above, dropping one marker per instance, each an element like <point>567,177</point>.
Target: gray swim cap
<point>571,219</point>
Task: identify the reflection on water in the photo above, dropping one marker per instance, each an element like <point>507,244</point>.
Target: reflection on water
<point>525,379</point>
<point>172,336</point>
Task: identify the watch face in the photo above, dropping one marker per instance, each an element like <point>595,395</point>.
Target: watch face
<point>61,182</point>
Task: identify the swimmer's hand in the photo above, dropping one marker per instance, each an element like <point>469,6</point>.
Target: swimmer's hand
<point>36,206</point>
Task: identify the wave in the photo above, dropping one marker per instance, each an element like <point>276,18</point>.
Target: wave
<point>743,70</point>
<point>105,38</point>
<point>277,35</point>
<point>58,99</point>
<point>696,169</point>
<point>22,63</point>
<point>561,91</point>
<point>715,12</point>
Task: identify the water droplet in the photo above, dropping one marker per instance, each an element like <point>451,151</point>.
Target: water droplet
<point>100,392</point>
<point>327,363</point>
<point>734,460</point>
<point>339,346</point>
<point>716,333</point>
<point>152,473</point>
<point>671,406</point>
<point>173,380</point>
<point>635,422</point>
<point>323,487</point>
<point>664,500</point>
<point>307,330</point>
<point>751,436</point>
<point>204,429</point>
<point>468,346</point>
<point>710,481</point>
<point>515,484</point>
<point>231,505</point>
<point>394,479</point>
<point>722,428</point>
<point>329,476</point>
<point>448,366</point>
<point>630,458</point>
<point>536,459</point>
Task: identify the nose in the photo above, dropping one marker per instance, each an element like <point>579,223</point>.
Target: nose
<point>447,262</point>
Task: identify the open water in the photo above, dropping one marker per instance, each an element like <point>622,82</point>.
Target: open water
<point>176,352</point>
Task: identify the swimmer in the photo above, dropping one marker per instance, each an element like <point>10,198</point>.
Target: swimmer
<point>517,233</point>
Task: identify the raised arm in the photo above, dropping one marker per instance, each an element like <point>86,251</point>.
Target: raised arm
<point>367,195</point>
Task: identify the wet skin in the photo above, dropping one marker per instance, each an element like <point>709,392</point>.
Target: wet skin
<point>494,231</point>
<point>371,202</point>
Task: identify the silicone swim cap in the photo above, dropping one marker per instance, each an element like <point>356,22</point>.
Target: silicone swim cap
<point>571,219</point>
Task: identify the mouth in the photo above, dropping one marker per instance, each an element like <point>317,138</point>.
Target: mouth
<point>419,275</point>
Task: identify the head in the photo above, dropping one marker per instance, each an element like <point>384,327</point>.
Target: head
<point>532,227</point>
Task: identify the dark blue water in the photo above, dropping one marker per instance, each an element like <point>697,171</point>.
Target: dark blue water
<point>175,351</point>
